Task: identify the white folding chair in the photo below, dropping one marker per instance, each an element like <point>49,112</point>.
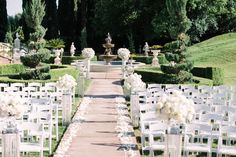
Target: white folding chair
<point>226,141</point>
<point>197,139</point>
<point>157,137</point>
<point>44,118</point>
<point>32,136</point>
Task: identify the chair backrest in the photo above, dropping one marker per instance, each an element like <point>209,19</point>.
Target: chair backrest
<point>211,118</point>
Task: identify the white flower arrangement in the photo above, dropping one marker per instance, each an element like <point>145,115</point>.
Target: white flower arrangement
<point>123,53</point>
<point>134,82</point>
<point>11,105</point>
<point>67,82</point>
<point>176,107</point>
<point>88,53</point>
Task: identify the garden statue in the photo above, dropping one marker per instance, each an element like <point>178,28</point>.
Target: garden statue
<point>108,56</point>
<point>17,42</point>
<point>155,61</point>
<point>146,49</point>
<point>72,49</point>
<point>108,45</point>
<point>57,60</point>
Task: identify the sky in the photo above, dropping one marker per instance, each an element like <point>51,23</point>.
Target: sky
<point>14,7</point>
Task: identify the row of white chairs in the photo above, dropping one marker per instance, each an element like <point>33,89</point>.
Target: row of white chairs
<point>214,105</point>
<point>42,111</point>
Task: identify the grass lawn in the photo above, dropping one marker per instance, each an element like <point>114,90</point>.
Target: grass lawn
<point>55,74</point>
<point>218,51</point>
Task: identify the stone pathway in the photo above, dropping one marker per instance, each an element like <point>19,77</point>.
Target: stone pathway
<point>97,136</point>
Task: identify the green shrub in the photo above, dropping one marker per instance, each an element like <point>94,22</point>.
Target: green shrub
<point>45,54</point>
<point>40,73</point>
<point>45,76</point>
<point>11,69</point>
<point>55,43</point>
<point>214,73</point>
<point>68,59</point>
<point>169,69</point>
<point>217,76</point>
<point>55,74</point>
<point>31,60</point>
<point>156,77</point>
<point>44,69</point>
<point>148,60</point>
<point>54,66</point>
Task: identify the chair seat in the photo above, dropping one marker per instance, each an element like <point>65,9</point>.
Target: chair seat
<point>197,148</point>
<point>30,147</point>
<point>229,150</point>
<point>157,146</point>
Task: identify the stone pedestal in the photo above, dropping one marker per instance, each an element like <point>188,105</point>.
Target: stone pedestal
<point>10,142</point>
<point>155,61</point>
<point>66,108</point>
<point>87,64</point>
<point>81,85</point>
<point>134,108</point>
<point>123,68</point>
<point>173,143</point>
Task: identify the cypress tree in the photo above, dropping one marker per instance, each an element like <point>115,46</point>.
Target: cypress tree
<point>179,20</point>
<point>50,20</point>
<point>3,19</point>
<point>33,14</point>
<point>66,19</point>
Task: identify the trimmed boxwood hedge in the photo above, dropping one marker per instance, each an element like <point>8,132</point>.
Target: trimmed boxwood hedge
<point>11,69</point>
<point>67,60</point>
<point>54,72</point>
<point>40,73</point>
<point>216,74</point>
<point>148,60</point>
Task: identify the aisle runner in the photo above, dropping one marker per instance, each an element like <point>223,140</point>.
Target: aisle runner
<point>73,128</point>
<point>125,129</point>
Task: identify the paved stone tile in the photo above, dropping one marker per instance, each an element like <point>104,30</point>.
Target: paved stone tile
<point>97,136</point>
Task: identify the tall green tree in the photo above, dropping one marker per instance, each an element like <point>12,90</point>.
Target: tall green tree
<point>3,19</point>
<point>179,68</point>
<point>119,20</point>
<point>27,30</point>
<point>33,14</point>
<point>180,23</point>
<point>50,19</point>
<point>210,18</point>
<point>66,19</point>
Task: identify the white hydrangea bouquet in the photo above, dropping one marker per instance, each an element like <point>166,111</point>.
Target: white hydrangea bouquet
<point>12,105</point>
<point>88,53</point>
<point>134,82</point>
<point>123,53</point>
<point>175,106</point>
<point>66,83</point>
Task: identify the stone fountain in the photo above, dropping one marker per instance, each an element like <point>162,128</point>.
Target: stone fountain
<point>108,56</point>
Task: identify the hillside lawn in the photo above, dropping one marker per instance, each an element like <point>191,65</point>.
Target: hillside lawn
<point>218,51</point>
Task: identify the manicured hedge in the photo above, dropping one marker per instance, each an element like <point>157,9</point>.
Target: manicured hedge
<point>157,77</point>
<point>11,69</point>
<point>68,59</point>
<point>55,74</point>
<point>216,74</point>
<point>148,60</point>
<point>39,73</point>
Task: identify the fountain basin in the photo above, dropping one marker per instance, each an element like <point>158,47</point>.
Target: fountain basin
<point>100,66</point>
<point>108,58</point>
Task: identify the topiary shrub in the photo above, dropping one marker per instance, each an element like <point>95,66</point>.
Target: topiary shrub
<point>41,73</point>
<point>31,60</point>
<point>176,54</point>
<point>45,54</point>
